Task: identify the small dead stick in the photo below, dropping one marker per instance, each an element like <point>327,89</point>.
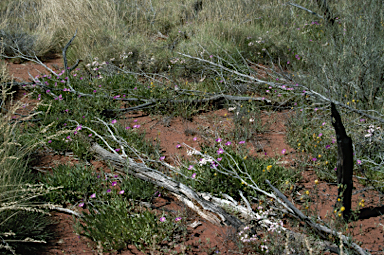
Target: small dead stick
<point>322,230</point>
<point>344,162</point>
<point>70,69</point>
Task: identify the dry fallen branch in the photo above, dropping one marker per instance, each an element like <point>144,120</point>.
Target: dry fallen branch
<point>204,208</point>
<point>308,91</point>
<point>317,227</point>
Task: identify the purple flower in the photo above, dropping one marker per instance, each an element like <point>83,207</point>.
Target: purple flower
<point>178,146</point>
<point>49,141</point>
<point>81,204</point>
<point>108,190</point>
<point>113,121</point>
<point>228,143</point>
<point>95,91</point>
<point>241,142</point>
<point>117,150</point>
<point>219,159</point>
<point>93,195</point>
<point>328,146</point>
<point>162,219</point>
<point>314,159</point>
<point>220,151</point>
<point>193,175</point>
<point>283,151</point>
<point>90,135</point>
<point>121,192</point>
<point>114,183</point>
<point>320,135</point>
<point>190,167</point>
<point>218,140</point>
<point>288,62</point>
<point>195,139</point>
<point>178,218</point>
<point>162,158</point>
<point>359,162</point>
<point>47,91</point>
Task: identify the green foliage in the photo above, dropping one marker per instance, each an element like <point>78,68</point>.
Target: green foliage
<point>115,225</point>
<point>33,225</point>
<point>78,183</point>
<point>137,189</point>
<point>206,176</point>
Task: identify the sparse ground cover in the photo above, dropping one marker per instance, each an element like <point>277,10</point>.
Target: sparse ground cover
<point>262,64</point>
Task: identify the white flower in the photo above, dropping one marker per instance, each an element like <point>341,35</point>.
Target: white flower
<point>204,161</point>
<point>192,152</point>
<point>251,120</point>
<point>231,109</point>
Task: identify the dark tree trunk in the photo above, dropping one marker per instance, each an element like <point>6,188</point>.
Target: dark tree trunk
<point>344,162</point>
<point>327,12</point>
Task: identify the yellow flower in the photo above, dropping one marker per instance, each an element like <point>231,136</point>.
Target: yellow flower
<point>245,157</point>
<point>319,156</point>
<point>316,182</point>
<point>307,192</point>
<point>291,188</point>
<point>263,170</point>
<point>338,200</point>
<point>353,100</point>
<point>269,167</point>
<point>362,200</point>
<point>298,144</point>
<point>326,162</point>
<point>339,214</point>
<point>225,114</point>
<point>306,207</point>
<point>215,174</point>
<point>286,182</point>
<point>342,209</point>
<point>334,211</point>
<point>302,151</point>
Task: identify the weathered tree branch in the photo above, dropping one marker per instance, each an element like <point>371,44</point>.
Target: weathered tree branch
<point>317,227</point>
<point>204,208</point>
<point>308,91</point>
<point>305,9</point>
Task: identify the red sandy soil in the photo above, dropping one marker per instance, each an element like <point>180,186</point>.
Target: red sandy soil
<point>370,232</point>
